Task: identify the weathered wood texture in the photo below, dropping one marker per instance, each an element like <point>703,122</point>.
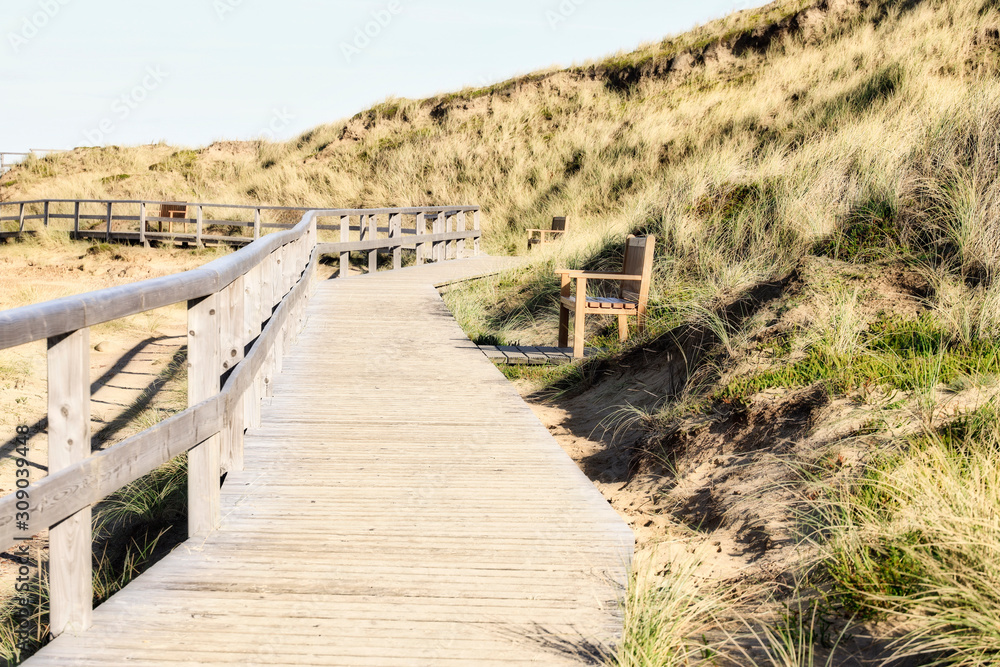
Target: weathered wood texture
<point>204,372</point>
<point>521,355</point>
<point>70,540</point>
<point>399,505</point>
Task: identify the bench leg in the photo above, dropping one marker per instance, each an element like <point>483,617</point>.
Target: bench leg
<point>579,329</point>
<point>622,328</point>
<point>563,326</point>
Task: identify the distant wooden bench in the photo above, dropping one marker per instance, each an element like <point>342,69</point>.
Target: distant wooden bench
<point>637,272</point>
<point>543,236</point>
<point>174,211</point>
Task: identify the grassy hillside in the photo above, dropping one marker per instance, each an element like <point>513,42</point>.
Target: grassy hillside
<point>816,393</point>
<point>642,136</point>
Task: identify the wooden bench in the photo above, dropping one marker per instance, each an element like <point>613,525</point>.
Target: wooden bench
<point>637,271</point>
<point>543,236</point>
<point>173,211</point>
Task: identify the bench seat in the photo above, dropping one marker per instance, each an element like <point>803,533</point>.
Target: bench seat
<point>602,303</point>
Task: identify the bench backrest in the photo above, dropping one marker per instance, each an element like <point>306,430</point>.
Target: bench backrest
<point>559,224</point>
<point>638,262</point>
<point>173,210</point>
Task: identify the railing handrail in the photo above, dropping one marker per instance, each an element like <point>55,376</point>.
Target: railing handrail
<point>412,210</point>
<point>41,321</point>
<point>28,324</point>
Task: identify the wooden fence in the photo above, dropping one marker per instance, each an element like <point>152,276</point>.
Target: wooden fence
<point>244,310</point>
<point>133,220</point>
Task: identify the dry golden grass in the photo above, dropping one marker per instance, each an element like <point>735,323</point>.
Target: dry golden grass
<point>871,132</point>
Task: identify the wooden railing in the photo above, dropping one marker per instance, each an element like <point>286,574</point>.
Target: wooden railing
<point>131,220</point>
<point>446,239</point>
<point>243,311</point>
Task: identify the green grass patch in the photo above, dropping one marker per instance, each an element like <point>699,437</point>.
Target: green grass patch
<point>543,376</point>
<point>870,581</point>
<point>868,234</point>
<point>895,353</point>
<point>899,558</point>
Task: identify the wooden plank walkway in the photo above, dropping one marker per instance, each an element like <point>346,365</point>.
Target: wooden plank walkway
<point>521,355</point>
<point>401,505</point>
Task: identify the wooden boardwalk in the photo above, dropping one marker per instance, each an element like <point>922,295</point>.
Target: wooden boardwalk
<point>522,355</point>
<point>400,505</point>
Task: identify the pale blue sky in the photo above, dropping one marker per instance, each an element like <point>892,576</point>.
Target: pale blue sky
<point>102,72</point>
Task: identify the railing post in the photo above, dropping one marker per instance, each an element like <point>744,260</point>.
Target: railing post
<point>460,244</point>
<point>270,293</point>
<point>449,247</point>
<point>21,224</point>
<point>476,226</point>
<point>279,291</point>
<point>256,224</point>
<point>45,217</point>
<point>234,341</point>
<point>281,340</point>
<point>442,246</point>
<point>434,244</point>
<point>421,231</point>
<point>198,226</point>
<point>295,264</point>
<point>345,237</point>
<point>252,320</point>
<point>70,541</point>
<point>288,264</point>
<point>396,233</point>
<point>267,375</point>
<point>299,265</point>
<point>373,235</point>
<point>142,225</point>
<point>76,220</point>
<point>204,467</point>
<point>108,234</point>
<point>311,268</point>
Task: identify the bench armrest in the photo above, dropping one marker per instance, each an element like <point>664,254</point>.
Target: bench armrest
<point>595,275</point>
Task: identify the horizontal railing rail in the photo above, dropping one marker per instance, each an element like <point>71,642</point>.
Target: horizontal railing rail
<point>243,311</point>
<point>134,219</point>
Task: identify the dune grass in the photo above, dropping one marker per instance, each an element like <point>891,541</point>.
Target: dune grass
<point>665,617</point>
<point>918,537</point>
<point>871,138</point>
